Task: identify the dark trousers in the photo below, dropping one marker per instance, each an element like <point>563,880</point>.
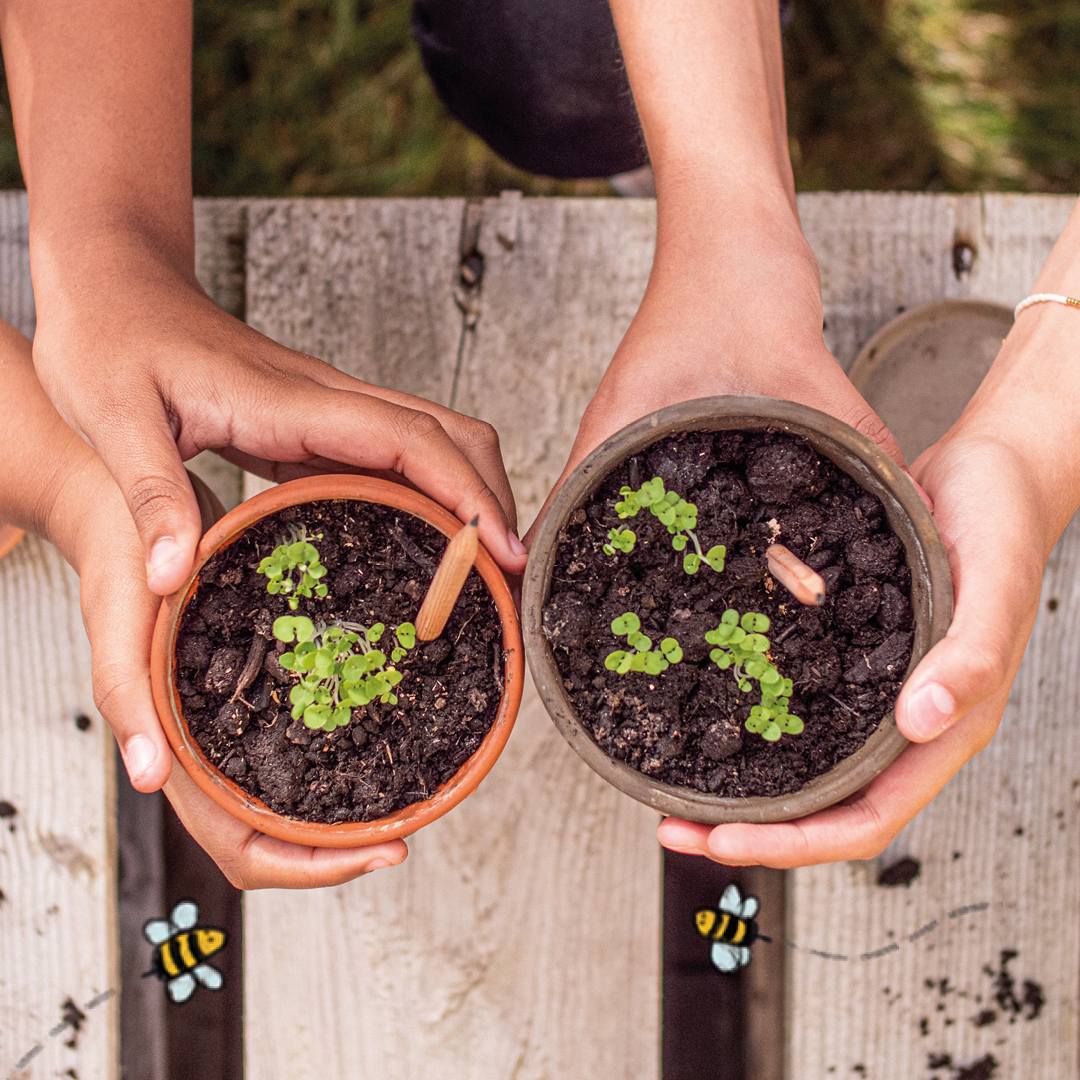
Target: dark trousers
<point>542,82</point>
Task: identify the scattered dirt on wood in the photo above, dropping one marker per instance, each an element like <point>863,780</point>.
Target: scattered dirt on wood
<point>847,658</point>
<point>901,872</point>
<point>380,562</point>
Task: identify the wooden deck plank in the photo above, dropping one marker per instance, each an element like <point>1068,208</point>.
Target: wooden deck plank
<point>57,854</point>
<point>493,952</point>
<point>1005,831</point>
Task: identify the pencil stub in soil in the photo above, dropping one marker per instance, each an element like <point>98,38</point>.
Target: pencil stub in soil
<point>846,658</point>
<point>379,564</point>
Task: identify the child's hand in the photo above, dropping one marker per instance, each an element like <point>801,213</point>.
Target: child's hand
<point>150,372</point>
<point>253,860</point>
<point>1000,502</point>
<point>119,612</point>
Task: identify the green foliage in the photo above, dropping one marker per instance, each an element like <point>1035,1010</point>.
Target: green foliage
<point>741,645</point>
<point>644,658</point>
<point>301,556</point>
<point>339,668</point>
<point>329,97</point>
<point>620,539</point>
<point>676,513</point>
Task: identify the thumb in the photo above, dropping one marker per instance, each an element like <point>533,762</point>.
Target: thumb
<point>119,614</point>
<point>979,655</point>
<point>147,467</point>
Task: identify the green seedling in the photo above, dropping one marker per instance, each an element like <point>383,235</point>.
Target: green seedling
<point>301,556</point>
<point>676,513</point>
<point>741,645</point>
<point>620,540</point>
<point>339,667</point>
<point>644,657</point>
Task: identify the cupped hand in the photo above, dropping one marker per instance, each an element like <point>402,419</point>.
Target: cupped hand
<point>998,535</point>
<point>738,315</point>
<point>119,612</point>
<point>253,860</point>
<point>150,373</point>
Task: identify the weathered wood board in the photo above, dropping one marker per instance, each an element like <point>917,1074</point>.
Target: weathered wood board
<point>998,848</point>
<point>57,853</point>
<point>521,937</point>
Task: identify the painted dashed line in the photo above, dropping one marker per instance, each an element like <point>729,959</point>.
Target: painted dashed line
<point>93,1003</point>
<point>893,946</point>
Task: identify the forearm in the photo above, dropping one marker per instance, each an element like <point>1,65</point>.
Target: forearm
<point>1028,401</point>
<point>45,469</point>
<point>101,101</point>
<point>707,80</point>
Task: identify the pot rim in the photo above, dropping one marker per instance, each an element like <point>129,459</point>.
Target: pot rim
<point>9,537</point>
<point>228,794</point>
<point>854,454</point>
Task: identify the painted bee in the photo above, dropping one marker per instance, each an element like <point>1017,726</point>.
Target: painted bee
<point>181,948</point>
<point>731,928</point>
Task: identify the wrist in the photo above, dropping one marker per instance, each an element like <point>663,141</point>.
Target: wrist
<point>1022,396</point>
<point>73,270</point>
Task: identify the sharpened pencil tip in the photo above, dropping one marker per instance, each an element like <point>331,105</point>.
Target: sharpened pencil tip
<point>475,520</point>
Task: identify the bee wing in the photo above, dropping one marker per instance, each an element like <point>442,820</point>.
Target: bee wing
<point>182,987</point>
<point>185,915</point>
<point>725,957</point>
<point>750,907</point>
<point>731,901</point>
<point>744,955</point>
<point>209,976</point>
<point>156,931</point>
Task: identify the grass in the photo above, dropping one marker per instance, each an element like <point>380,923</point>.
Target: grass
<point>329,97</point>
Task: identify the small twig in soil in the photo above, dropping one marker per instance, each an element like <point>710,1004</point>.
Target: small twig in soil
<point>447,583</point>
<point>785,633</point>
<point>843,704</point>
<point>411,548</point>
<point>256,655</point>
<point>463,625</point>
<point>806,585</point>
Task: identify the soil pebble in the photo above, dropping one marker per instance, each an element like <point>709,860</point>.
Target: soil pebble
<point>847,659</point>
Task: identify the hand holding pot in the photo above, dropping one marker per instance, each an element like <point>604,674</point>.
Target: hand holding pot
<point>1001,502</point>
<point>52,483</point>
<point>129,348</point>
<point>733,304</point>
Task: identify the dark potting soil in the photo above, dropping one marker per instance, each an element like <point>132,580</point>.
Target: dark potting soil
<point>380,562</point>
<point>847,658</point>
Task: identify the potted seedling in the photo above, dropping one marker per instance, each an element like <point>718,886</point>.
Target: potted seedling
<point>336,672</point>
<point>722,604</point>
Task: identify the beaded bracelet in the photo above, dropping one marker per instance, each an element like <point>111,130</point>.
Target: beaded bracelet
<point>1044,298</point>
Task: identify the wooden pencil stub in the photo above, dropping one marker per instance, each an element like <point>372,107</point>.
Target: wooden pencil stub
<point>447,583</point>
<point>806,585</point>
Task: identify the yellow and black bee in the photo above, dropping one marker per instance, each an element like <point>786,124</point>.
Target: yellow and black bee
<point>731,928</point>
<point>181,949</point>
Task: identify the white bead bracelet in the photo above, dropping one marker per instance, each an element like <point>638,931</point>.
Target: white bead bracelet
<point>1045,298</point>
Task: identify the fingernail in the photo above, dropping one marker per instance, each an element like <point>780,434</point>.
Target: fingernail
<point>930,710</point>
<point>516,546</point>
<point>377,864</point>
<point>163,554</point>
<point>140,753</point>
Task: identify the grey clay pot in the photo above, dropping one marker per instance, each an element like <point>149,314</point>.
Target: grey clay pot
<point>854,454</point>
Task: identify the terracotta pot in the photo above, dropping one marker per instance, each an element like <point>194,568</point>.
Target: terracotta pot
<point>230,795</point>
<point>931,595</point>
<point>9,537</point>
